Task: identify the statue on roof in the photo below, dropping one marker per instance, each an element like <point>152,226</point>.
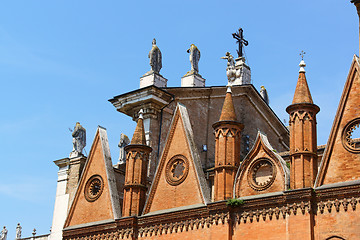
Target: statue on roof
<point>230,70</point>
<point>194,58</point>
<point>124,141</point>
<point>155,57</point>
<point>3,234</point>
<point>79,140</point>
<point>18,231</point>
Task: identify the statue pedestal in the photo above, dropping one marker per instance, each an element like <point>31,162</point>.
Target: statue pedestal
<point>243,72</point>
<point>192,79</point>
<point>153,78</point>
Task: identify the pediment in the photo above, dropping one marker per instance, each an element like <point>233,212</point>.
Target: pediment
<point>179,179</point>
<point>341,159</point>
<point>96,198</point>
<point>262,171</point>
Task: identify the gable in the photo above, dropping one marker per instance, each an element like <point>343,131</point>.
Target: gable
<point>179,179</point>
<point>261,171</point>
<point>96,197</point>
<point>341,160</point>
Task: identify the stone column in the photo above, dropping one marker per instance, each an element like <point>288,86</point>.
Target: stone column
<point>76,166</point>
<point>357,4</point>
<point>61,199</point>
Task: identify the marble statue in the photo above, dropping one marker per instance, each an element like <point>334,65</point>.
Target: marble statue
<point>79,140</point>
<point>18,231</point>
<point>155,57</point>
<point>194,58</point>
<point>124,141</point>
<point>3,234</point>
<point>230,70</point>
<point>264,94</point>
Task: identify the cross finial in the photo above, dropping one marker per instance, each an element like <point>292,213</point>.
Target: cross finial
<point>239,36</point>
<point>302,53</point>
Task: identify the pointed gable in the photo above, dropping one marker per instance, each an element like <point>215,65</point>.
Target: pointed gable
<point>341,159</point>
<point>261,171</point>
<point>179,180</point>
<point>96,198</point>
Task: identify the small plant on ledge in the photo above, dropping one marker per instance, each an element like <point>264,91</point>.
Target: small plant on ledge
<point>235,202</point>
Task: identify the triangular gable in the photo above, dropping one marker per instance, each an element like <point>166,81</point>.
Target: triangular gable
<point>96,198</point>
<point>341,163</point>
<point>262,171</point>
<point>179,179</point>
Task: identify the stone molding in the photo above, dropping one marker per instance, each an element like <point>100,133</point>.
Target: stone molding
<point>255,208</point>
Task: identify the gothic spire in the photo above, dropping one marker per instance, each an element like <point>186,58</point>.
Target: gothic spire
<point>228,110</point>
<point>302,92</point>
<point>139,134</point>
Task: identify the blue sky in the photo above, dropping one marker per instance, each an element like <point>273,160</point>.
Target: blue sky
<point>60,61</point>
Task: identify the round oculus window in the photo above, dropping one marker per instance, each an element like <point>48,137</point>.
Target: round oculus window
<point>93,188</point>
<point>176,170</point>
<point>261,174</point>
<point>351,136</point>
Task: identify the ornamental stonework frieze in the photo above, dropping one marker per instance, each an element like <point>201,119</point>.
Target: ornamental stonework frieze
<point>249,216</point>
<point>184,225</point>
<point>337,205</point>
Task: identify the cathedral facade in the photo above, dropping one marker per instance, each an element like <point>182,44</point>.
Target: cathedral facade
<point>202,164</point>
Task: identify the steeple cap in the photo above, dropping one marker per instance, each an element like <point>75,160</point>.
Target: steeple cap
<point>302,91</point>
<point>228,110</point>
<point>139,133</point>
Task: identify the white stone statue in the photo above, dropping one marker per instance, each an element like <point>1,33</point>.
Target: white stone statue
<point>18,231</point>
<point>155,57</point>
<point>230,70</point>
<point>79,140</point>
<point>194,58</point>
<point>3,234</point>
<point>124,141</point>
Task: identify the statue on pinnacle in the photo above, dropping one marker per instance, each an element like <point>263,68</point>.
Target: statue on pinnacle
<point>155,58</point>
<point>79,140</point>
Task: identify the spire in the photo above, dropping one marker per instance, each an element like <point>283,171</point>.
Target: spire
<point>228,110</point>
<point>302,92</point>
<point>139,134</point>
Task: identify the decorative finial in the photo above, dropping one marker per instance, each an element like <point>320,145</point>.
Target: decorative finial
<point>228,90</point>
<point>239,36</point>
<point>141,114</point>
<point>302,53</point>
<point>34,232</point>
<point>302,67</point>
<point>154,41</point>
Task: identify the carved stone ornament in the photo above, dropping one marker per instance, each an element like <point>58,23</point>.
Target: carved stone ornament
<point>261,174</point>
<point>93,188</point>
<point>348,141</point>
<point>177,170</point>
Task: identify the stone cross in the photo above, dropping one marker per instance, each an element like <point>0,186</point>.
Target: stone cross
<point>239,36</point>
<point>302,53</point>
<point>155,58</point>
<point>194,58</point>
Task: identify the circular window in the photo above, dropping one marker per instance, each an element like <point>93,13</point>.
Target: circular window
<point>176,170</point>
<point>261,174</point>
<point>93,188</point>
<point>351,136</point>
